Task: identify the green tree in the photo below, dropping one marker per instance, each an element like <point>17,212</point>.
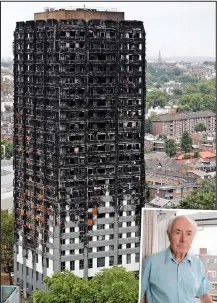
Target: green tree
<point>196,102</point>
<point>115,285</point>
<point>207,87</point>
<point>163,79</point>
<point>177,92</point>
<point>202,198</point>
<point>150,79</point>
<point>158,85</point>
<point>64,287</point>
<point>170,147</point>
<point>111,285</point>
<point>177,72</point>
<point>196,154</point>
<point>191,89</point>
<point>155,98</point>
<point>187,79</point>
<point>7,240</point>
<point>200,127</point>
<point>148,126</point>
<point>186,142</point>
<point>8,149</point>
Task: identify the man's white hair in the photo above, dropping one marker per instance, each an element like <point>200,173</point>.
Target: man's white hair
<point>172,220</point>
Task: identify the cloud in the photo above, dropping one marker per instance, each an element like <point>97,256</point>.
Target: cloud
<point>176,28</point>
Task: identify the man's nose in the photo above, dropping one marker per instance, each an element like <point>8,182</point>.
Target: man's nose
<point>183,238</point>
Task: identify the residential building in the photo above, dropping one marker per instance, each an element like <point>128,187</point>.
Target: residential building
<point>7,176</point>
<point>159,178</point>
<point>79,155</point>
<point>205,165</point>
<point>7,125</point>
<point>158,202</point>
<point>198,174</point>
<point>205,156</point>
<point>159,111</point>
<point>171,192</point>
<point>173,125</point>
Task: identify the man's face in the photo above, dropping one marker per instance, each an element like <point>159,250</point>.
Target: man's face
<point>181,235</point>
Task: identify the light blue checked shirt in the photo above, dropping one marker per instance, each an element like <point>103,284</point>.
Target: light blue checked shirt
<point>167,281</point>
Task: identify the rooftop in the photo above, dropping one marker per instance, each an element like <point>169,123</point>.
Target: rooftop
<point>184,116</point>
<point>155,155</point>
<point>161,202</point>
<point>83,13</point>
<point>202,154</point>
<point>198,172</point>
<point>168,187</point>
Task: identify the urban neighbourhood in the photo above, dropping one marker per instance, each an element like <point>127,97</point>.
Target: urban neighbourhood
<point>91,132</point>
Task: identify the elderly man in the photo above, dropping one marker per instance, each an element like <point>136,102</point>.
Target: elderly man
<point>174,275</point>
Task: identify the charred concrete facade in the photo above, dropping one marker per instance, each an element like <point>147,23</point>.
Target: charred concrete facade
<point>79,146</point>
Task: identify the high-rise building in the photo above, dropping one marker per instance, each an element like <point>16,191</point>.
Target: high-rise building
<point>79,101</point>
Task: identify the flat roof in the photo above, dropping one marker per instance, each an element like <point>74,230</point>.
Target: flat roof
<point>184,116</point>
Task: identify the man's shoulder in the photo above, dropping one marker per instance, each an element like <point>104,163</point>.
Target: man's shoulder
<point>195,259</point>
<point>156,256</point>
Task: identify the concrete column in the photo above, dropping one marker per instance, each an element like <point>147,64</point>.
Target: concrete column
<point>57,249</point>
<point>24,274</point>
<point>116,238</point>
<point>15,265</point>
<point>85,262</point>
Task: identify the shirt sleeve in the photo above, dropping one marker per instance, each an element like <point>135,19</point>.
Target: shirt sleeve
<point>146,269</point>
<point>205,285</point>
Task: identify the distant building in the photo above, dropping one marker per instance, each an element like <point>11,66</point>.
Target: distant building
<point>160,110</point>
<point>171,192</point>
<point>204,155</point>
<point>198,174</point>
<point>160,178</point>
<point>7,125</point>
<point>173,125</point>
<point>7,175</point>
<point>158,202</point>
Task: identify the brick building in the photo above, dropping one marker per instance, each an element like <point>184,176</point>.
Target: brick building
<point>210,265</point>
<point>173,125</point>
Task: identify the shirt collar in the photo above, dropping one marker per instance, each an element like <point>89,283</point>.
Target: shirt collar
<point>169,256</point>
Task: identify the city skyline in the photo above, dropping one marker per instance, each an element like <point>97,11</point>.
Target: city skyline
<point>175,19</point>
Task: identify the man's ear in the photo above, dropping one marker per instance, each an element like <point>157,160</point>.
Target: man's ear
<point>168,234</point>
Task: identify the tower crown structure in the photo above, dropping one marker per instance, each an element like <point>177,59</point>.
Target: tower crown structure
<point>80,13</point>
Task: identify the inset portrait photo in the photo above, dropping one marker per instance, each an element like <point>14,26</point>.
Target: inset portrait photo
<point>178,256</point>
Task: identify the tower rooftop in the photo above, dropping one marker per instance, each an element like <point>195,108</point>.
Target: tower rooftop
<point>80,13</point>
